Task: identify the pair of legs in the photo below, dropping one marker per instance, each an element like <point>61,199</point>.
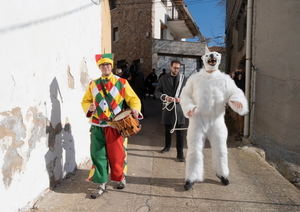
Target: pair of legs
<point>216,132</point>
<point>107,151</point>
<point>179,140</point>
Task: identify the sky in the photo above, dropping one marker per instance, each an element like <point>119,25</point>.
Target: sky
<point>210,18</point>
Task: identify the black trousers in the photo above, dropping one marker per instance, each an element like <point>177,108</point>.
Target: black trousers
<point>179,138</point>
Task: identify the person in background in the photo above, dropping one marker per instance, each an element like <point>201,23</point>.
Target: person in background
<point>125,71</point>
<point>162,73</point>
<point>137,82</point>
<point>118,72</point>
<point>239,79</point>
<point>150,80</point>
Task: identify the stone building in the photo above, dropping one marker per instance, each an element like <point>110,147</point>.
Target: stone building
<point>47,59</point>
<point>150,33</point>
<point>263,39</point>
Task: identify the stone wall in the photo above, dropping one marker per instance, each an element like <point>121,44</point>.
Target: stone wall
<point>188,53</point>
<point>178,47</point>
<point>190,65</point>
<point>134,22</point>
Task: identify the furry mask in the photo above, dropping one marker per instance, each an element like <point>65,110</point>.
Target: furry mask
<point>211,60</point>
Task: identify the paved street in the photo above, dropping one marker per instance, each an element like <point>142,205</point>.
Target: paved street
<point>155,182</point>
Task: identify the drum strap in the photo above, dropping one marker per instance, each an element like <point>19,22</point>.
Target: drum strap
<point>105,95</point>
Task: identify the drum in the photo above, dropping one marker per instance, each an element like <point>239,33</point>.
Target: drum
<point>126,124</point>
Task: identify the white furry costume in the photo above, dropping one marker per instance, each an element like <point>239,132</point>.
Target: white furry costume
<point>208,93</point>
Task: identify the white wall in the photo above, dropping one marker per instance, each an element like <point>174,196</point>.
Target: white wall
<point>159,14</point>
<point>277,98</point>
<point>40,42</point>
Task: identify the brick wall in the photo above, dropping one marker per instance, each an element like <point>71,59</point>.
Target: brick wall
<point>134,22</point>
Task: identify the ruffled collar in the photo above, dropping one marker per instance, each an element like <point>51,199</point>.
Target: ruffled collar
<point>107,77</point>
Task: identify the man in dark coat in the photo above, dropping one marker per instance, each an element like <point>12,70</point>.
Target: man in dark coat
<point>239,79</point>
<point>168,90</point>
<point>150,79</point>
<point>137,82</point>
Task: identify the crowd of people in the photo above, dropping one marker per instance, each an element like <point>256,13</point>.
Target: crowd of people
<point>144,86</point>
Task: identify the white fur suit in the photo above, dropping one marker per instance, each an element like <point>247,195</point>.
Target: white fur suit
<point>207,93</point>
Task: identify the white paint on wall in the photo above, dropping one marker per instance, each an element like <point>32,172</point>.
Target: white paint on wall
<point>160,12</point>
<point>39,40</point>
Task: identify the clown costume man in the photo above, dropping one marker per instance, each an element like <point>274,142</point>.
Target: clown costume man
<point>103,100</point>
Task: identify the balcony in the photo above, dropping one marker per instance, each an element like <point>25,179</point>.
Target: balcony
<point>179,29</point>
<point>181,22</point>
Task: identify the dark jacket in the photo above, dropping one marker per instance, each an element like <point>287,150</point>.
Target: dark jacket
<point>239,79</point>
<point>166,86</point>
<point>137,83</point>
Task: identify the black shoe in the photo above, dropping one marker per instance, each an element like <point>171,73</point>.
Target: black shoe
<point>224,180</point>
<point>180,159</point>
<point>180,156</point>
<point>188,185</point>
<point>166,149</point>
<point>97,193</point>
<point>121,184</point>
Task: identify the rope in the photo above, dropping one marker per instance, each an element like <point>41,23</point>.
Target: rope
<point>166,103</point>
<point>165,107</point>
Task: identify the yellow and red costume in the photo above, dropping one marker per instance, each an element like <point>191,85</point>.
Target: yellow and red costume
<point>107,145</point>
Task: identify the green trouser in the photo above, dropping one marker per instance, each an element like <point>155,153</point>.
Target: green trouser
<point>98,155</point>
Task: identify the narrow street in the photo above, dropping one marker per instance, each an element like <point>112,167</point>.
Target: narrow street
<point>155,182</point>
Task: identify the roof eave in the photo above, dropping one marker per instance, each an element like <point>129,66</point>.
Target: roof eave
<point>187,17</point>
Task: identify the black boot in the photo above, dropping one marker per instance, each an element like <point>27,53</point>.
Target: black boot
<point>166,149</point>
<point>180,157</point>
<point>224,180</point>
<point>188,185</point>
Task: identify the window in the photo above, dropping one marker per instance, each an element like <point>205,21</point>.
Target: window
<point>115,34</point>
<point>112,4</point>
<point>165,2</point>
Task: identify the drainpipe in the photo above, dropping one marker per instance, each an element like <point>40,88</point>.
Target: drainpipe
<point>253,88</point>
<point>248,63</point>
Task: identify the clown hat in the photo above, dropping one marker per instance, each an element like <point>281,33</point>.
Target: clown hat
<point>104,58</point>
